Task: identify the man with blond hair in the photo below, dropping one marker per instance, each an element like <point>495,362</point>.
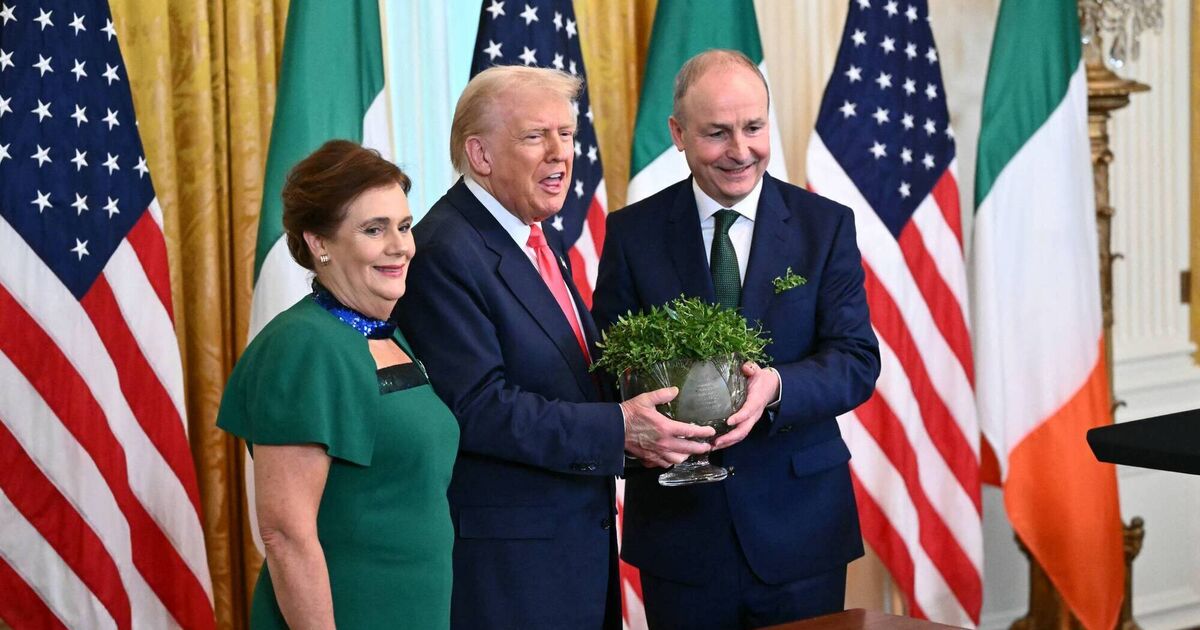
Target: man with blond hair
<point>507,342</point>
<point>770,543</point>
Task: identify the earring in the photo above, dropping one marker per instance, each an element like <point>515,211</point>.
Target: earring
<point>324,258</point>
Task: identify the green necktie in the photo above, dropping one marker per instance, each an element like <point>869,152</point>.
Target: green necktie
<point>723,263</point>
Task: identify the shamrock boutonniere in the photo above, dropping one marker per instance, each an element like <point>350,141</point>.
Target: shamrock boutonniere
<point>788,281</point>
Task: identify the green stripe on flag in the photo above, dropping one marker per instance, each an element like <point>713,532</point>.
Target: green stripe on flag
<point>1034,54</point>
<point>683,28</point>
<point>332,70</point>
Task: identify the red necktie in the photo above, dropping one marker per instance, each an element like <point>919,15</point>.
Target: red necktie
<point>548,269</point>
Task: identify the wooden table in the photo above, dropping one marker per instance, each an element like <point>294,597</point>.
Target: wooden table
<point>859,619</point>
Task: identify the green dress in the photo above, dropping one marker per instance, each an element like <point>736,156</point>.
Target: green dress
<point>383,522</point>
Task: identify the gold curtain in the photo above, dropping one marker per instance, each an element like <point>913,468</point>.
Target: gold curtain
<point>202,74</point>
<point>203,77</point>
<point>615,36</point>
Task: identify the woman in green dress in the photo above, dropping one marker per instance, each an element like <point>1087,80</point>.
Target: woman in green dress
<point>352,449</point>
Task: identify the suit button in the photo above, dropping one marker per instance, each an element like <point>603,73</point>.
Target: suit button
<point>606,523</point>
<point>787,428</point>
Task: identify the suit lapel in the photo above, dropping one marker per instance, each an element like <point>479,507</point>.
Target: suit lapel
<point>686,245</point>
<point>522,279</point>
<point>773,238</point>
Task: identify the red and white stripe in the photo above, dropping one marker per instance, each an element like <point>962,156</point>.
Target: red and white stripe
<point>916,440</point>
<point>585,259</point>
<point>585,252</point>
<point>99,506</point>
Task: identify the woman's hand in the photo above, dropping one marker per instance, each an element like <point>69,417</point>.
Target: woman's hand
<point>288,482</point>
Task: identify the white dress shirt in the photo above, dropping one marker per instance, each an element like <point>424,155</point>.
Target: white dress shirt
<point>515,228</point>
<point>742,230</point>
<point>741,233</point>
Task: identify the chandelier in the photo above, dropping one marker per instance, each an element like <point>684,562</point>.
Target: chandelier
<point>1124,21</point>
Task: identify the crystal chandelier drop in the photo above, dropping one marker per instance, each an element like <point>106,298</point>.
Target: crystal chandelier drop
<point>1124,21</point>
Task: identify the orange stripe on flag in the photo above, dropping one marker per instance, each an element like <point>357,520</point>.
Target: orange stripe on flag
<point>1063,504</point>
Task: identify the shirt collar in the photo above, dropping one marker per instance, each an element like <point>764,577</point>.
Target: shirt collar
<point>708,206</point>
<point>515,227</point>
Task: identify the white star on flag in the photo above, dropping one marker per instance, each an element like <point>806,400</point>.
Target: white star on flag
<point>111,119</point>
<point>80,160</point>
<point>42,155</point>
<point>854,73</point>
<point>848,109</point>
<point>529,56</point>
<point>888,44</point>
<point>492,50</point>
<point>43,18</point>
<point>80,204</point>
<point>42,201</point>
<point>860,38</point>
<point>529,15</point>
<point>878,150</point>
<point>111,163</point>
<point>880,115</point>
<point>43,65</point>
<point>77,23</point>
<point>111,207</point>
<point>884,80</point>
<point>80,248</point>
<point>78,70</point>
<point>42,110</point>
<point>496,9</point>
<point>110,73</point>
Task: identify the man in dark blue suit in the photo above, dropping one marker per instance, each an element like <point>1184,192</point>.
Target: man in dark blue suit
<point>507,342</point>
<point>771,542</point>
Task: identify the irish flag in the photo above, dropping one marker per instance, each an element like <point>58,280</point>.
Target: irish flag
<point>1039,341</point>
<point>683,28</point>
<point>330,86</point>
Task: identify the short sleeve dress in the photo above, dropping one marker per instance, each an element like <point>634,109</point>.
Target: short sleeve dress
<point>383,522</point>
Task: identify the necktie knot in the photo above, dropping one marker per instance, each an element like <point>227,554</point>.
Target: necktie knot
<point>537,238</point>
<point>724,219</point>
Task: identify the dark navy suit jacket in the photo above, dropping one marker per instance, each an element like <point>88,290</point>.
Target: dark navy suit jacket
<point>532,497</point>
<point>789,500</point>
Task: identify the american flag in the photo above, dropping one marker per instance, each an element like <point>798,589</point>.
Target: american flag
<point>544,33</point>
<point>99,506</point>
<point>883,146</point>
